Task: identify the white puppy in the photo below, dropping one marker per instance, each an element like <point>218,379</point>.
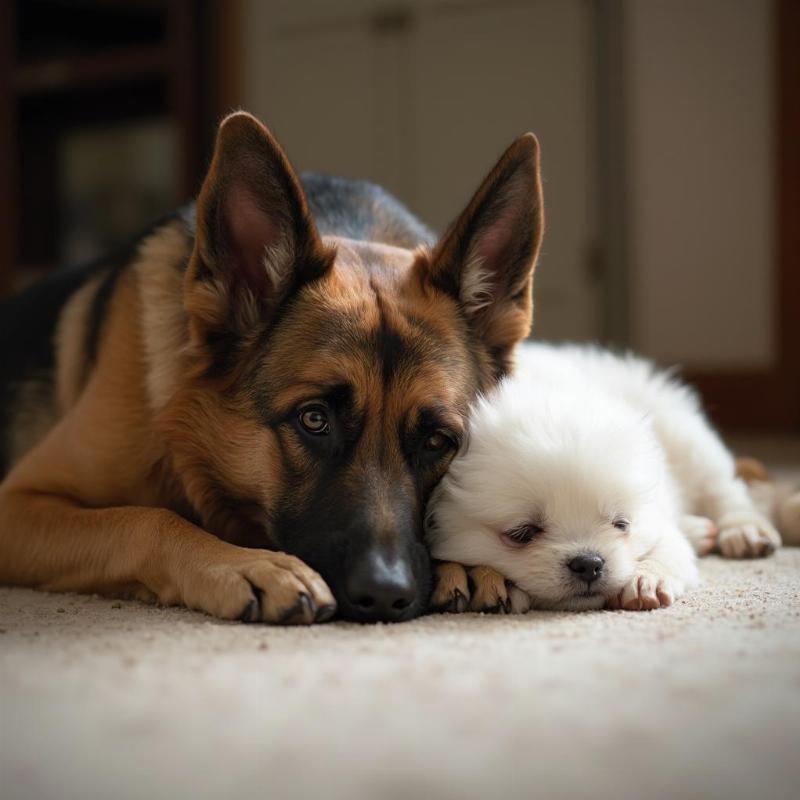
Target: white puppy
<point>587,479</point>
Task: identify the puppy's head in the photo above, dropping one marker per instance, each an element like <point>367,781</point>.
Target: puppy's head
<point>330,378</point>
<point>559,492</point>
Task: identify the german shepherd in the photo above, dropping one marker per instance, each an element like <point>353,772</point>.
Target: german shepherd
<point>247,413</point>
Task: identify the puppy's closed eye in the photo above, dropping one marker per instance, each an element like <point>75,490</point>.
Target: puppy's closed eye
<point>523,534</point>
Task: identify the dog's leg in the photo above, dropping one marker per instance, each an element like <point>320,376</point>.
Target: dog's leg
<point>701,532</point>
<point>661,577</point>
<point>722,497</point>
<point>50,543</point>
<point>706,474</point>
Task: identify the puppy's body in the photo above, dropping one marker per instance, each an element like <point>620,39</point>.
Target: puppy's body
<point>247,412</point>
<point>586,480</point>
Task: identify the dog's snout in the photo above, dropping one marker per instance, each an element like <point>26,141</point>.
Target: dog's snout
<point>379,588</point>
<point>587,567</point>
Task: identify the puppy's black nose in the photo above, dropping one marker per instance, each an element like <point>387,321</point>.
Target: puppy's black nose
<point>379,588</point>
<point>587,567</point>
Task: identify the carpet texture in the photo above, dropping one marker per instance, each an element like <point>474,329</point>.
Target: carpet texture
<point>102,699</point>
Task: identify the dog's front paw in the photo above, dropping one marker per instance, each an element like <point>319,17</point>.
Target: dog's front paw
<point>480,589</point>
<point>488,591</point>
<point>746,534</point>
<point>451,592</point>
<point>491,593</point>
<point>258,586</point>
<point>649,588</point>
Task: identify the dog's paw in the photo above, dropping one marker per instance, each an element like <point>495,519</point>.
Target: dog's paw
<point>259,586</point>
<point>488,591</point>
<point>519,600</point>
<point>746,534</point>
<point>701,532</point>
<point>479,589</point>
<point>646,590</point>
<point>451,592</point>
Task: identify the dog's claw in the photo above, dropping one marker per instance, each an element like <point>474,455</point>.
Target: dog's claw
<point>324,613</point>
<point>251,612</point>
<point>455,604</point>
<point>301,613</point>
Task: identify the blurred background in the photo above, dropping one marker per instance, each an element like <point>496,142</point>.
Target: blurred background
<point>669,133</point>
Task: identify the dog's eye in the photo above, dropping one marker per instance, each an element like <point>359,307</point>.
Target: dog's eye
<point>523,534</point>
<point>622,524</point>
<point>314,420</point>
<point>437,442</point>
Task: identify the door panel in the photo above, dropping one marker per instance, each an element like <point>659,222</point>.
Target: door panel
<point>482,78</point>
<point>425,100</point>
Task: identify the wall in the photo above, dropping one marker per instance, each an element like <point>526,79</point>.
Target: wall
<point>700,197</point>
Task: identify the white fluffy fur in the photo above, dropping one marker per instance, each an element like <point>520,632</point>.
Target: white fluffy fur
<point>577,438</point>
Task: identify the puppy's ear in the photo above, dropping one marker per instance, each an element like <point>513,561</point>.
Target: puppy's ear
<point>487,257</point>
<point>256,241</point>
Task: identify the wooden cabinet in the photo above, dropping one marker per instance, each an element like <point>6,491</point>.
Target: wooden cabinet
<point>68,72</point>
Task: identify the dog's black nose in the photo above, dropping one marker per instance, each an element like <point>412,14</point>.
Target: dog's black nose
<point>587,567</point>
<point>379,588</point>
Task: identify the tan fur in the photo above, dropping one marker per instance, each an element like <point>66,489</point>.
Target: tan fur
<point>159,266</point>
<point>72,367</point>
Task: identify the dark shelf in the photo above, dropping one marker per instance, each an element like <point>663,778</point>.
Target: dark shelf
<point>90,71</point>
<point>84,68</point>
<point>47,29</point>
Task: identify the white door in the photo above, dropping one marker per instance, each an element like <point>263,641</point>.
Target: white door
<point>424,101</point>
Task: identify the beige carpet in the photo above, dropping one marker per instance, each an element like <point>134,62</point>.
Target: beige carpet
<point>118,700</point>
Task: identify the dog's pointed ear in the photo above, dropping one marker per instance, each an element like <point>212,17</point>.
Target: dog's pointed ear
<point>487,257</point>
<point>256,241</point>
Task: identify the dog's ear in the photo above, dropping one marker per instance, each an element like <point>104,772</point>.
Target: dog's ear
<point>256,241</point>
<point>487,257</point>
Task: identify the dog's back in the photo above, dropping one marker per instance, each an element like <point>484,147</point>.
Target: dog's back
<point>363,211</point>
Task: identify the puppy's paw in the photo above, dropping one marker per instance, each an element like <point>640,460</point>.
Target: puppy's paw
<point>519,600</point>
<point>258,586</point>
<point>488,591</point>
<point>451,592</point>
<point>646,590</point>
<point>701,532</point>
<point>746,534</point>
